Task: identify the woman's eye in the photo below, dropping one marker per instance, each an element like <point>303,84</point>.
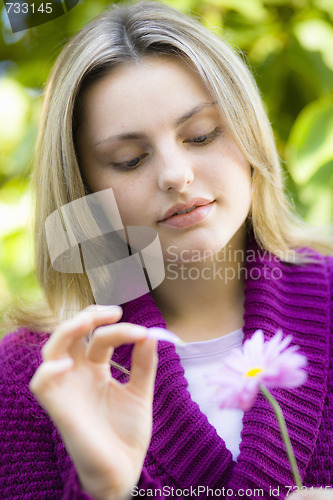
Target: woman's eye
<point>204,139</point>
<point>130,164</point>
<point>200,139</point>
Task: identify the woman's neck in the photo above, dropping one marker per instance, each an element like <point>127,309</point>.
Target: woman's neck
<point>204,300</point>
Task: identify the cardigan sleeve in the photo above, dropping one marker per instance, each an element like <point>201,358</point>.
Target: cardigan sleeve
<point>34,464</point>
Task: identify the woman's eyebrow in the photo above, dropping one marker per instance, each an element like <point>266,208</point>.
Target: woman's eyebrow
<point>139,135</point>
<point>193,112</point>
<point>122,137</point>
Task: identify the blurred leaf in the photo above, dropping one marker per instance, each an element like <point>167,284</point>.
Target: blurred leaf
<point>310,145</point>
<point>254,11</point>
<point>312,54</point>
<point>316,35</point>
<point>319,200</point>
<point>326,5</point>
<point>14,105</point>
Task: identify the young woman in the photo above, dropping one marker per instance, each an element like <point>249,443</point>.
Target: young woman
<point>147,102</point>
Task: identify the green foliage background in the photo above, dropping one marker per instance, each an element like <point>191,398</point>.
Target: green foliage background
<point>289,47</point>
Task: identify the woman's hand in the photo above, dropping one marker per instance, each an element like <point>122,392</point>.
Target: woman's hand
<point>106,426</point>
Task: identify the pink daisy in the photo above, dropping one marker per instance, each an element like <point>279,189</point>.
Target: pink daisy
<point>271,363</point>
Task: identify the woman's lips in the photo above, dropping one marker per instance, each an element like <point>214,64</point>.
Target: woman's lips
<point>189,219</point>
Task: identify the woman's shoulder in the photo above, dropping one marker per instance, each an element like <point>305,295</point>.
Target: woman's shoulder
<point>320,267</point>
<point>314,260</point>
<point>20,353</point>
<point>329,263</point>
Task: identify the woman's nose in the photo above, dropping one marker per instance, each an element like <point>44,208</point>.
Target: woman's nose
<point>175,171</point>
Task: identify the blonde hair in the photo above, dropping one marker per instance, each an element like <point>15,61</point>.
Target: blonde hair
<point>125,33</point>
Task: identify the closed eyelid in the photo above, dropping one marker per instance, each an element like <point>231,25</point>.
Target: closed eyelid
<point>208,135</point>
<point>126,165</point>
<point>201,125</point>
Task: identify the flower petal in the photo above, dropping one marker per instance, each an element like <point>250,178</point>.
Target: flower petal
<point>163,334</point>
<point>274,363</point>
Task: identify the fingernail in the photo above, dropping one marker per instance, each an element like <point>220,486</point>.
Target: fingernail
<point>111,308</point>
<point>62,364</point>
<point>163,334</point>
<point>139,330</point>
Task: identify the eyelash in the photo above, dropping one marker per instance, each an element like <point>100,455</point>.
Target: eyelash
<point>134,163</point>
<point>207,138</point>
<point>131,164</point>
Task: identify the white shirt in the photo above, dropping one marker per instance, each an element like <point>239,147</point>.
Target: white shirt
<point>199,359</point>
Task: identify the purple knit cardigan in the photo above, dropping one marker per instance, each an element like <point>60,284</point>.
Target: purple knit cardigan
<point>185,450</point>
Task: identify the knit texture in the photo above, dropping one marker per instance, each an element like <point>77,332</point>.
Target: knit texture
<point>185,450</point>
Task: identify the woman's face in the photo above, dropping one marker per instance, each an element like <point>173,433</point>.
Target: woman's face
<point>152,133</point>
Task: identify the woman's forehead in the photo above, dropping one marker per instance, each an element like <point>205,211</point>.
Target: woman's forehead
<point>151,88</point>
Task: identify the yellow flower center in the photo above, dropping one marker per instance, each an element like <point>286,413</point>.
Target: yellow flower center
<point>253,372</point>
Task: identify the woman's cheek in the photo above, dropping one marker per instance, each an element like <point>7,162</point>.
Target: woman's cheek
<point>130,211</point>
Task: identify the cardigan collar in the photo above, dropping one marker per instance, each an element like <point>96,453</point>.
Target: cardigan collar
<point>185,448</point>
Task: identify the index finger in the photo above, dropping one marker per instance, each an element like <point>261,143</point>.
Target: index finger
<point>72,330</point>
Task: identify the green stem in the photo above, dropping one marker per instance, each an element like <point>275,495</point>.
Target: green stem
<point>284,433</point>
